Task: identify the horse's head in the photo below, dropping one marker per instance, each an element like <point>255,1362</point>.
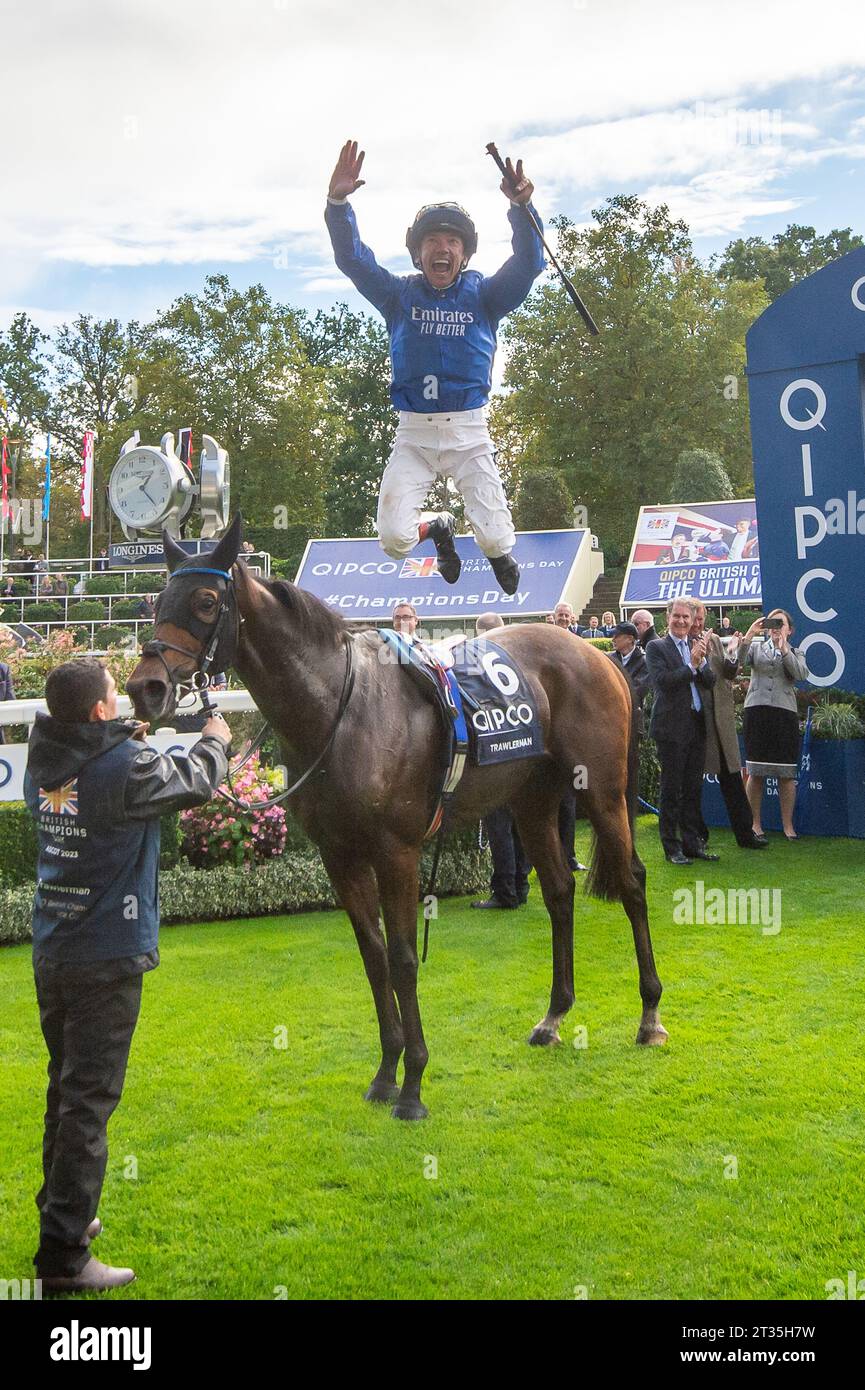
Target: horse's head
<point>195,627</point>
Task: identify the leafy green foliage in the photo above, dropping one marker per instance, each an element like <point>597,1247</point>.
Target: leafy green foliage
<point>353,350</point>
<point>18,846</point>
<point>665,374</point>
<point>791,256</point>
<point>699,476</point>
<point>543,502</point>
<point>839,721</point>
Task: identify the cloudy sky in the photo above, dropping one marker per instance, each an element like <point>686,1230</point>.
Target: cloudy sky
<point>148,143</point>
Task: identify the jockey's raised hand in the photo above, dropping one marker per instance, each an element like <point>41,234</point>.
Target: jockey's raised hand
<point>515,185</point>
<point>344,179</point>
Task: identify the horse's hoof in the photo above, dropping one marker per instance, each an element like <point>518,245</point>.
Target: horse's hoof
<point>382,1092</point>
<point>409,1110</point>
<point>655,1036</point>
<point>543,1037</point>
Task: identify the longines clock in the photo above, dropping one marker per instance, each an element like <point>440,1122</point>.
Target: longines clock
<point>151,488</point>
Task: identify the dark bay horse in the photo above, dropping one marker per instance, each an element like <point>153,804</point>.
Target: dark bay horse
<point>369,806</point>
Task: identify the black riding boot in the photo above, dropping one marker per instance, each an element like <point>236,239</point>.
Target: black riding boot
<point>441,531</point>
<point>507,572</point>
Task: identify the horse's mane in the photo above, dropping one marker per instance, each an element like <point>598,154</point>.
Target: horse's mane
<point>318,622</point>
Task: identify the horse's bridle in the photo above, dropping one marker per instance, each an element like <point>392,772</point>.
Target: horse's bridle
<point>200,680</point>
<point>204,659</point>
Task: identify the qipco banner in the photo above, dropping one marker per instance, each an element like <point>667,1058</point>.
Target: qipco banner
<point>702,550</point>
<point>806,369</point>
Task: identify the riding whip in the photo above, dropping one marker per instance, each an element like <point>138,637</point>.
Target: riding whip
<point>572,293</point>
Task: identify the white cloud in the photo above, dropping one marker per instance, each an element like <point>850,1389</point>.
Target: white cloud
<point>141,134</point>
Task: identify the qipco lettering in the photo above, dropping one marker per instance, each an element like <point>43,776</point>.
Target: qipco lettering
<point>491,721</point>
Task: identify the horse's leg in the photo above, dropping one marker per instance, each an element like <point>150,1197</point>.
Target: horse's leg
<point>538,826</point>
<point>618,872</point>
<point>358,894</point>
<point>398,884</point>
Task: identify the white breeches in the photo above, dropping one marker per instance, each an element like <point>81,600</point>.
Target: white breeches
<point>426,447</point>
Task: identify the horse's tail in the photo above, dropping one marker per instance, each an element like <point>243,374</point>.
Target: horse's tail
<point>604,879</point>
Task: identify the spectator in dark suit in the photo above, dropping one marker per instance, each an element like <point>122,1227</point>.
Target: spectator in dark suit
<point>101,563</point>
<point>678,671</point>
<point>628,656</point>
<point>644,623</point>
<point>7,690</point>
<point>722,743</point>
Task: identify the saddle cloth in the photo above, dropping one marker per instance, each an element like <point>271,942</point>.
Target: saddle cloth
<point>480,692</point>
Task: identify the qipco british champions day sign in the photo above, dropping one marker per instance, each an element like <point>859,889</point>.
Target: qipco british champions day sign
<point>806,369</point>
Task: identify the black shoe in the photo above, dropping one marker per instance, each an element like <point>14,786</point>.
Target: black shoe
<point>494,902</point>
<point>441,532</point>
<point>507,572</point>
<point>678,858</point>
<point>761,840</point>
<point>754,843</point>
<point>705,855</point>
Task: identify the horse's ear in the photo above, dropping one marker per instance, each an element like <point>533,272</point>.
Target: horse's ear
<point>174,556</point>
<point>225,554</point>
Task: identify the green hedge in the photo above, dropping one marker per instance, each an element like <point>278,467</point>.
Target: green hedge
<point>87,611</point>
<point>105,584</point>
<point>111,636</point>
<point>43,612</point>
<point>294,883</point>
<point>126,608</point>
<point>17,843</point>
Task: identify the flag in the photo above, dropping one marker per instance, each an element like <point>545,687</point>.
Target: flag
<point>87,476</point>
<point>46,495</point>
<point>63,801</point>
<point>419,569</point>
<point>6,471</point>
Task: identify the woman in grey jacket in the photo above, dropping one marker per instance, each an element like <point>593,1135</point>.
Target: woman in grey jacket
<point>771,720</point>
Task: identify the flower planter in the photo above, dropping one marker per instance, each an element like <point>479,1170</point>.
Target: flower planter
<point>831,797</point>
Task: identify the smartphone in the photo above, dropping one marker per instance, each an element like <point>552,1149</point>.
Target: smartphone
<point>772,622</point>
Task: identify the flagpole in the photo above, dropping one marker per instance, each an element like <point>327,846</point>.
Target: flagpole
<point>5,494</point>
<point>46,501</point>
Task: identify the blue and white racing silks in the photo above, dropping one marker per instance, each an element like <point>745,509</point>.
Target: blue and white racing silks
<point>442,342</point>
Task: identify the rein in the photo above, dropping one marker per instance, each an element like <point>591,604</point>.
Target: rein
<point>201,679</point>
<point>345,696</point>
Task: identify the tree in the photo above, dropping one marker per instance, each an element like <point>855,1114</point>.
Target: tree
<point>234,364</point>
<point>24,388</point>
<point>94,369</point>
<point>665,374</point>
<point>354,352</point>
<point>791,256</point>
<point>699,476</point>
<point>543,502</point>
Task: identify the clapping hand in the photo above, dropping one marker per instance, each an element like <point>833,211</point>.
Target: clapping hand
<point>344,179</point>
<point>698,652</point>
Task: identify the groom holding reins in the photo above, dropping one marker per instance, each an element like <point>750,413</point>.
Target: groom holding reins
<point>442,324</point>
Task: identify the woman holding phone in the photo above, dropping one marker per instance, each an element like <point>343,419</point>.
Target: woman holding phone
<point>771,720</point>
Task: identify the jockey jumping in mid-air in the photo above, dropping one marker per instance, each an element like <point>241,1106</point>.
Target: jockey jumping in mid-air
<point>442,325</point>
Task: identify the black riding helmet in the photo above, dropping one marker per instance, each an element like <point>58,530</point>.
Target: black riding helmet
<point>441,217</point>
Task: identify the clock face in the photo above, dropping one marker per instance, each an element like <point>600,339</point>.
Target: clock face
<point>142,487</point>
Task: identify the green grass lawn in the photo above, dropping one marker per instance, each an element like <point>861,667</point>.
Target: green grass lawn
<point>261,1170</point>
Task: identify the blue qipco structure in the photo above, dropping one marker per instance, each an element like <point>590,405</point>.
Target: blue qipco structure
<point>806,375</point>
